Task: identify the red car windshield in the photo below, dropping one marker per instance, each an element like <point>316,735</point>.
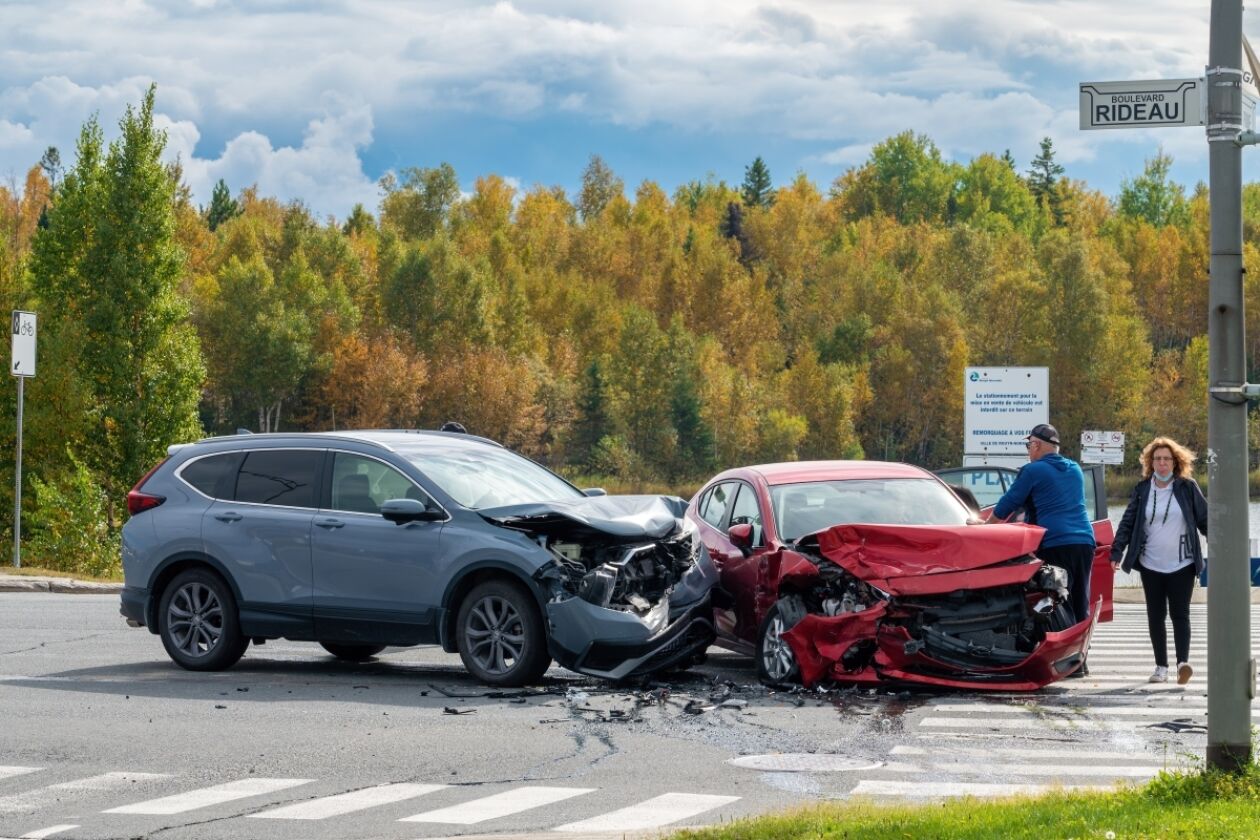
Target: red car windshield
<point>801,509</point>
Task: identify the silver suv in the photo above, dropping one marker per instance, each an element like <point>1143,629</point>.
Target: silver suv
<point>362,540</point>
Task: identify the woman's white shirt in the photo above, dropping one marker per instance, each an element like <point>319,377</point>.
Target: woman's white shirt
<point>1166,549</point>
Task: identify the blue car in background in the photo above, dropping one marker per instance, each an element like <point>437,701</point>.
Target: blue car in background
<point>368,539</point>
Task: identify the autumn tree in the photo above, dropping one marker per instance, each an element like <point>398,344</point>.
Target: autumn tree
<point>599,186</point>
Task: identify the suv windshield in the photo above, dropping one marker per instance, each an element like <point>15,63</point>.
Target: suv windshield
<point>802,509</point>
<point>487,476</point>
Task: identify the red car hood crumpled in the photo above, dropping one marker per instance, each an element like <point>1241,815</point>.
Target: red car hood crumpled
<point>879,554</point>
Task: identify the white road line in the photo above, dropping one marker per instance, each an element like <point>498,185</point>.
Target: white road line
<point>499,805</point>
<point>8,771</point>
<point>1057,771</point>
<point>1085,725</point>
<point>205,797</point>
<point>1071,712</point>
<point>654,813</point>
<point>1017,752</point>
<point>872,787</point>
<point>47,832</point>
<point>348,803</point>
<point>106,781</point>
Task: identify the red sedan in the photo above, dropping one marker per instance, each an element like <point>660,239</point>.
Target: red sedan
<point>866,571</point>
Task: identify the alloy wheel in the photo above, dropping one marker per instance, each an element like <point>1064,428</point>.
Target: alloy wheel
<point>496,633</point>
<point>776,655</point>
<point>195,619</point>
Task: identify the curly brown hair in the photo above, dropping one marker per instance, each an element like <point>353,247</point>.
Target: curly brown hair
<point>1183,459</point>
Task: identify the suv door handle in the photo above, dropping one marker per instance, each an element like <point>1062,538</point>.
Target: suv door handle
<point>229,516</point>
<point>330,523</point>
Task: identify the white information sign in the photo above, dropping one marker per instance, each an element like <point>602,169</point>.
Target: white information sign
<point>1153,103</point>
<point>23,343</point>
<point>1001,405</point>
<point>1102,447</point>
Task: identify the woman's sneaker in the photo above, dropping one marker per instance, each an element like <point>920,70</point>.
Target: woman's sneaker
<point>1160,675</point>
<point>1184,673</point>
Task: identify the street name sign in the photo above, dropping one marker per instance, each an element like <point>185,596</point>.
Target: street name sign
<point>1102,447</point>
<point>24,324</point>
<point>1151,103</point>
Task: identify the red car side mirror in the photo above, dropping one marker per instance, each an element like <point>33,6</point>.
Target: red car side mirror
<point>741,536</point>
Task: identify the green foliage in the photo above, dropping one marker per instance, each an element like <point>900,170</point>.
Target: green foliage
<point>107,270</point>
<point>757,190</point>
<point>68,528</point>
<point>417,206</point>
<point>1152,197</point>
<point>222,206</point>
<point>1043,178</point>
<point>905,178</point>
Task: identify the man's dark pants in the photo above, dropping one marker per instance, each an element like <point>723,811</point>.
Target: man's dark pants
<point>1078,562</point>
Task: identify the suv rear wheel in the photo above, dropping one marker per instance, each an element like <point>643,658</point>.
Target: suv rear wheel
<point>352,653</point>
<point>198,622</point>
<point>500,635</point>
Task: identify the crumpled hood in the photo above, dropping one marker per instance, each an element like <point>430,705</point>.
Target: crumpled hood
<point>886,552</point>
<point>620,517</point>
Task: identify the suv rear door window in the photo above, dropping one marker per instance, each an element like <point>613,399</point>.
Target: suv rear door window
<point>280,477</point>
<point>213,475</point>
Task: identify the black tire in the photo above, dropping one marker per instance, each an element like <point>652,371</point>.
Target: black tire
<point>352,653</point>
<point>776,664</point>
<point>499,633</point>
<point>199,623</point>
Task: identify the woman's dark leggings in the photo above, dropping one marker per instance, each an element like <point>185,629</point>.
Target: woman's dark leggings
<point>1168,593</point>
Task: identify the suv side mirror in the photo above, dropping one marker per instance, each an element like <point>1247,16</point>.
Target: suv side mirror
<point>402,511</point>
<point>594,491</point>
<point>741,537</point>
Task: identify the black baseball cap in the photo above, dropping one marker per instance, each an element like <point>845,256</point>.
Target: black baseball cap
<point>1046,432</point>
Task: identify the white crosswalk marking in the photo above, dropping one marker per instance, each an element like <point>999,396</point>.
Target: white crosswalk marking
<point>205,797</point>
<point>1057,771</point>
<point>938,790</point>
<point>499,805</point>
<point>1076,711</point>
<point>8,771</point>
<point>348,803</point>
<point>1019,752</point>
<point>47,832</point>
<point>31,799</point>
<point>654,813</point>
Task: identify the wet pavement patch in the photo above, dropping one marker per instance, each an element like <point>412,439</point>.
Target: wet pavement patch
<point>803,763</point>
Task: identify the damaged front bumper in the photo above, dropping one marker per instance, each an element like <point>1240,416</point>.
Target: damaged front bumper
<point>617,644</point>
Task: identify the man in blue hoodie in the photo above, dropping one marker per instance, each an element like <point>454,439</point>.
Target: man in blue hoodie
<point>1051,489</point>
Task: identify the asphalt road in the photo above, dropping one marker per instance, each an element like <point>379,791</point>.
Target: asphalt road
<point>101,736</point>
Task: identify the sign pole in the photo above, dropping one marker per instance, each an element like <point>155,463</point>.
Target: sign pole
<point>17,488</point>
<point>1231,679</point>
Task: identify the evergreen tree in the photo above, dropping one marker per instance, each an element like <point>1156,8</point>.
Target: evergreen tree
<point>757,190</point>
<point>594,421</point>
<point>222,206</point>
<point>1043,173</point>
<point>1008,159</point>
<point>51,164</point>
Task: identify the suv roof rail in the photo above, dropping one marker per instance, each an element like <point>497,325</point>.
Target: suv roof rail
<point>290,435</point>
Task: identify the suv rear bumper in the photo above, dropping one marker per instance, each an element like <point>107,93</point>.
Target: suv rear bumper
<point>133,603</point>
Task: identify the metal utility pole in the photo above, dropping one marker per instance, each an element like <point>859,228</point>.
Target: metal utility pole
<point>1231,670</point>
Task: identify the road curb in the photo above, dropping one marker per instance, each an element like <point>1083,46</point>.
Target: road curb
<point>1135,595</point>
<point>17,583</point>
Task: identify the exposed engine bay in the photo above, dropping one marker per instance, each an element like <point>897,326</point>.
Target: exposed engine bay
<point>627,584</point>
<point>944,605</point>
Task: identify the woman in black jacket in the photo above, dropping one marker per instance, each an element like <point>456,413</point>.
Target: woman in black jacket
<point>1158,536</point>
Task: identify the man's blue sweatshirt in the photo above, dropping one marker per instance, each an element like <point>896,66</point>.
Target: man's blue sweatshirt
<point>1052,490</point>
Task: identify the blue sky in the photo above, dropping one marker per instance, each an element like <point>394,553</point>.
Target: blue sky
<point>317,99</point>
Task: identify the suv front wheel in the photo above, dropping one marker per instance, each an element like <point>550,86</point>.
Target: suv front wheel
<point>198,623</point>
<point>500,635</point>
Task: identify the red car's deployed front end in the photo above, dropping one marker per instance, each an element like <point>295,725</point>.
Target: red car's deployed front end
<point>947,605</point>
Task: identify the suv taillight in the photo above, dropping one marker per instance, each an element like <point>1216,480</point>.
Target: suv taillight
<point>138,501</point>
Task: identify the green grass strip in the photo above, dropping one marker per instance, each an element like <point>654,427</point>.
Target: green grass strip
<point>1175,804</point>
